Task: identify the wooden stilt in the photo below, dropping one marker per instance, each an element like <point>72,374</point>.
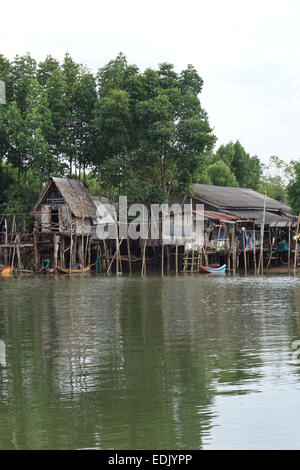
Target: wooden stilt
<point>71,249</point>
<point>62,251</point>
<point>296,245</point>
<point>244,249</point>
<point>162,256</point>
<point>168,247</point>
<point>36,253</point>
<point>262,233</point>
<point>18,254</point>
<point>129,254</point>
<point>144,270</point>
<point>55,251</point>
<point>89,248</point>
<point>113,258</point>
<point>289,248</point>
<point>254,248</point>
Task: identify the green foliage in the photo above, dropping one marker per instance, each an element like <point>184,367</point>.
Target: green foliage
<point>123,131</point>
<point>220,174</point>
<point>246,169</point>
<point>274,188</point>
<point>293,188</point>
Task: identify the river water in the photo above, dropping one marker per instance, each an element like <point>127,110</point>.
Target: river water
<point>188,362</point>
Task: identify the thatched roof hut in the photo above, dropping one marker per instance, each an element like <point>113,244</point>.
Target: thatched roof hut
<point>62,203</point>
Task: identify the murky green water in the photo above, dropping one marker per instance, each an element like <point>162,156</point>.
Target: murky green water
<point>176,363</point>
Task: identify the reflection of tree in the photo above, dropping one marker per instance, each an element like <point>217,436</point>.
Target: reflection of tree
<point>130,363</point>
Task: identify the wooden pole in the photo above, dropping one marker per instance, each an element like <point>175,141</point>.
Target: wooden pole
<point>55,251</point>
<point>71,248</point>
<point>192,266</point>
<point>113,258</point>
<point>62,251</point>
<point>262,232</point>
<point>296,245</point>
<point>5,242</point>
<point>18,254</point>
<point>245,255</point>
<point>100,258</point>
<point>176,257</point>
<point>289,248</point>
<point>117,257</point>
<point>162,244</point>
<point>89,247</point>
<point>254,248</point>
<point>129,254</point>
<point>35,249</point>
<point>144,270</point>
<point>106,255</point>
<point>233,242</point>
<point>13,257</point>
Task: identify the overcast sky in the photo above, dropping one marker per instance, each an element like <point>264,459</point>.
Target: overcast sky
<point>248,54</point>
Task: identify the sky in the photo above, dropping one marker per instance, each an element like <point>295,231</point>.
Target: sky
<point>248,54</point>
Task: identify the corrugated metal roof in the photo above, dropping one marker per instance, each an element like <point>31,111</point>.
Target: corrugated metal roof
<point>284,223</point>
<point>220,216</point>
<point>227,198</point>
<point>258,216</point>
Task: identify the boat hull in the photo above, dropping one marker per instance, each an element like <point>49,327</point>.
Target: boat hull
<point>73,271</point>
<point>6,270</point>
<point>208,269</point>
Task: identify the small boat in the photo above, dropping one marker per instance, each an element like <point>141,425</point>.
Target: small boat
<point>73,271</point>
<point>213,269</point>
<point>44,271</point>
<point>5,270</point>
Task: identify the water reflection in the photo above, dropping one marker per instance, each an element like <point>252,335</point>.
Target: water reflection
<point>134,364</point>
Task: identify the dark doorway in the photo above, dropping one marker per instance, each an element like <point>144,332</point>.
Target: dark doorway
<point>54,219</point>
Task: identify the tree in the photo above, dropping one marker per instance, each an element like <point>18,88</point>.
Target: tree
<point>293,188</point>
<point>152,126</point>
<point>220,174</point>
<point>246,169</point>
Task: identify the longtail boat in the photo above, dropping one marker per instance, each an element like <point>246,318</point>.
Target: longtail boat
<point>4,270</point>
<point>211,269</point>
<point>73,271</point>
